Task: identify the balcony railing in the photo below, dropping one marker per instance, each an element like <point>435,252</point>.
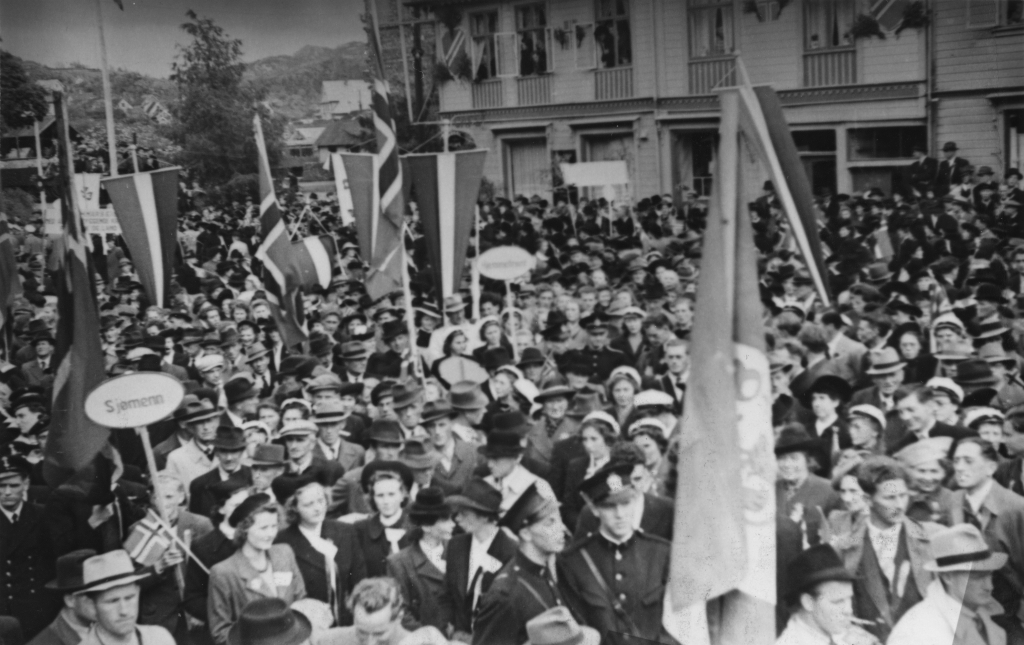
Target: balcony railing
<point>831,67</point>
<point>534,90</point>
<point>705,75</point>
<point>488,94</point>
<point>614,83</point>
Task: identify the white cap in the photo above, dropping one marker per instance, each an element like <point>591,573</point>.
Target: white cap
<point>627,371</point>
<point>648,423</point>
<point>653,397</point>
<point>978,414</point>
<point>209,361</point>
<point>948,386</point>
<point>600,415</point>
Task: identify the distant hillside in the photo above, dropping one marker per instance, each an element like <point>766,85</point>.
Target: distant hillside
<point>292,82</point>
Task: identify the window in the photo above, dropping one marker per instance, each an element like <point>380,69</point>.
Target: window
<point>711,28</point>
<point>983,14</point>
<point>767,10</point>
<point>482,27</point>
<point>827,24</point>
<point>611,32</point>
<point>886,143</point>
<point>532,36</point>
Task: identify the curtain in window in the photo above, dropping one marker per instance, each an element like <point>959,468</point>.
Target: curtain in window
<point>711,32</point>
<point>827,23</point>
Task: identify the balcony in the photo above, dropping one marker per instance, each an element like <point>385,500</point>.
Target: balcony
<point>830,67</point>
<point>707,74</point>
<point>614,83</point>
<point>488,94</point>
<point>534,90</point>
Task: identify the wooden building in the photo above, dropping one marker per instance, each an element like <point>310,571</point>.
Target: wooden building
<point>592,80</point>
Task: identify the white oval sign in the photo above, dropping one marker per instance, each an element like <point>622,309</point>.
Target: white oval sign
<point>506,262</point>
<point>134,400</point>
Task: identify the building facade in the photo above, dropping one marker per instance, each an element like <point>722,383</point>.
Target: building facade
<point>634,80</point>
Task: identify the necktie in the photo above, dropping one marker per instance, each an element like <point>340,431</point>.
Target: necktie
<point>982,630</point>
<point>14,518</point>
<point>970,516</point>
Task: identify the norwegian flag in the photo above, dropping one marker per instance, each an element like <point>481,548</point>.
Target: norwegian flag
<point>148,540</point>
<point>74,439</point>
<point>285,300</point>
<point>386,250</point>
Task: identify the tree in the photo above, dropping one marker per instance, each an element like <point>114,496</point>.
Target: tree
<point>24,102</point>
<point>216,105</point>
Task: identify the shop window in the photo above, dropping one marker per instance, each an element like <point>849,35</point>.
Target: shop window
<point>886,143</point>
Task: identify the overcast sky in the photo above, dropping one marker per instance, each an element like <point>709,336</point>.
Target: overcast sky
<point>143,36</point>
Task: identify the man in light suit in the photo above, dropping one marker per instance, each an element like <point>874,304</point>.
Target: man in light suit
<point>196,457</point>
<point>458,458</point>
<point>999,515</point>
<point>331,418</point>
<point>887,373</point>
<point>846,352</point>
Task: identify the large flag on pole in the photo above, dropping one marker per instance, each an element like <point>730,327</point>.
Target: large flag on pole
<point>285,303</point>
<point>146,205</point>
<point>361,176</point>
<point>346,207</point>
<point>723,547</point>
<point>447,186</point>
<point>74,440</point>
<point>386,258</point>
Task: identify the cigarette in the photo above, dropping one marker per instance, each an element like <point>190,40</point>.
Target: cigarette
<point>861,621</point>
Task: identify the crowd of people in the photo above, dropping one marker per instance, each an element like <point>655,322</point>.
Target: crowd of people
<point>501,468</point>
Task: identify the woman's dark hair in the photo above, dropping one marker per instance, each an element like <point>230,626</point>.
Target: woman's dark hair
<point>483,329</point>
<point>655,434</point>
<point>875,471</point>
<point>384,475</point>
<point>447,347</point>
<point>604,429</point>
<point>242,531</point>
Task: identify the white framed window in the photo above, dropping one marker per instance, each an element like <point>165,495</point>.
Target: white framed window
<point>612,34</point>
<point>988,14</point>
<point>827,24</point>
<point>482,28</point>
<point>712,32</point>
<point>533,39</point>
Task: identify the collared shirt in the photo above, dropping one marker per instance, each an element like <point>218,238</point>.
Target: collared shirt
<point>517,481</point>
<point>10,514</point>
<point>331,452</point>
<point>301,466</point>
<point>44,363</point>
<point>821,425</point>
<point>977,498</point>
<point>480,558</point>
<point>887,401</point>
<point>392,534</point>
<point>885,543</point>
<point>595,465</point>
<point>466,433</point>
<point>435,554</point>
<point>447,455</point>
<point>800,632</point>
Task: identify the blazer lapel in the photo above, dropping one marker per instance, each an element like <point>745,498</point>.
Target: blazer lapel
<point>918,546</point>
<point>425,567</point>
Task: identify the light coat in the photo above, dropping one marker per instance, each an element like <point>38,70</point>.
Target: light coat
<point>188,462</point>
<point>941,620</point>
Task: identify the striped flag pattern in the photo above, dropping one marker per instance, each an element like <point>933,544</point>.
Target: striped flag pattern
<point>292,266</point>
<point>146,205</point>
<point>385,273</point>
<point>10,282</point>
<point>764,125</point>
<point>447,186</point>
<point>361,175</point>
<point>74,440</point>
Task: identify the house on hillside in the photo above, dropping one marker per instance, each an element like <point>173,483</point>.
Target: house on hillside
<point>124,105</point>
<point>341,135</point>
<point>341,98</point>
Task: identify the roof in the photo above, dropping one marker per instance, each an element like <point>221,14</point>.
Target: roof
<point>343,132</point>
<point>304,136</point>
<point>29,131</point>
<point>349,95</point>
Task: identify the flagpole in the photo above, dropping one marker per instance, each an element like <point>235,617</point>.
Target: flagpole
<point>728,168</point>
<point>475,283</point>
<point>39,165</point>
<point>410,321</point>
<point>107,100</point>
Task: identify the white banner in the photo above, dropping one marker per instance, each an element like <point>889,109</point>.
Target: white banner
<point>596,173</point>
<point>53,225</point>
<point>87,186</point>
<point>345,206</point>
<point>101,221</point>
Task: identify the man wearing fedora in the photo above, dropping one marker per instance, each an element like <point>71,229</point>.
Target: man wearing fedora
<point>525,587</point>
<point>820,592</point>
<point>75,619</point>
<point>504,453</point>
<point>385,439</point>
<point>886,370</point>
<point>243,398</point>
<point>25,551</point>
<point>887,550</point>
<point>917,412</point>
<point>257,358</point>
<point>40,370</point>
<point>110,584</point>
<point>952,169</point>
<point>354,355</point>
<point>408,403</point>
<point>470,405</point>
<point>922,172</point>
<point>196,457</point>
<point>269,621</point>
<point>614,578</point>
<point>801,496</point>
<point>999,515</point>
<point>456,458</point>
<point>228,449</point>
<point>390,364</point>
<point>332,418</point>
<point>958,606</point>
<point>553,425</point>
<point>476,555</point>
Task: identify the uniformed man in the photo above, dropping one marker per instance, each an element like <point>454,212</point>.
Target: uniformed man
<point>601,358</point>
<point>525,587</point>
<point>27,558</point>
<point>614,578</point>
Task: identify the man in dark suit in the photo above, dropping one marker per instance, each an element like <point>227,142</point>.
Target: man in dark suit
<point>299,440</point>
<point>922,172</point>
<point>673,382</point>
<point>918,414</point>
<point>228,448</point>
<point>40,370</point>
<point>886,371</point>
<point>474,557</point>
<point>952,169</point>
<point>25,551</point>
<point>75,619</point>
<point>656,517</point>
<point>389,364</point>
